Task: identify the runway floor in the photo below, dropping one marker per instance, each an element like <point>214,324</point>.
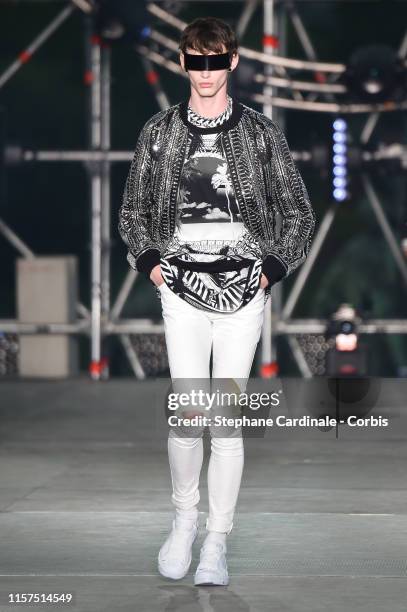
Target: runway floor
<point>321,522</point>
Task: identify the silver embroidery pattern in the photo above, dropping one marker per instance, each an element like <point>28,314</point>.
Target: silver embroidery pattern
<point>217,291</point>
<point>273,200</point>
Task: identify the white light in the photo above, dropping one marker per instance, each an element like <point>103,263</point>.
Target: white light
<point>339,148</point>
<point>339,194</point>
<point>339,137</point>
<point>346,342</point>
<point>340,125</point>
<point>339,182</point>
<point>373,86</point>
<point>339,171</point>
<point>340,160</point>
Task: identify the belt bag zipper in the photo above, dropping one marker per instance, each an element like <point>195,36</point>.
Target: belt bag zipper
<point>211,266</point>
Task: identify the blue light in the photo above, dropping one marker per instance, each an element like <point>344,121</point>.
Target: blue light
<point>339,160</point>
<point>339,171</point>
<point>339,182</point>
<point>339,148</point>
<point>339,137</point>
<point>145,32</point>
<point>340,194</point>
<point>340,125</point>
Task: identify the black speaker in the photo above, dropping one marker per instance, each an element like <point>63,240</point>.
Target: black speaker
<point>346,363</point>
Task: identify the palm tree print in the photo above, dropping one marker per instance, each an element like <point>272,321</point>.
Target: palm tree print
<point>221,179</point>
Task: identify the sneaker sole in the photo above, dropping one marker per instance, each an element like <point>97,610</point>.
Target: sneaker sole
<point>163,572</point>
<point>209,580</point>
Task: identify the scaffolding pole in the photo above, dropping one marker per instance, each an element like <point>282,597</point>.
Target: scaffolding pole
<point>104,319</point>
<point>269,367</point>
<point>105,169</point>
<point>93,77</point>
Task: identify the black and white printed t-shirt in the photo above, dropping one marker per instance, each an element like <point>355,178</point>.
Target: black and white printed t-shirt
<point>209,227</point>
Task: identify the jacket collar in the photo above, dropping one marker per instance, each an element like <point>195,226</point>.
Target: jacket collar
<point>237,110</point>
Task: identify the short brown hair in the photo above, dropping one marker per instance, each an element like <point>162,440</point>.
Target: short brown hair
<point>208,34</point>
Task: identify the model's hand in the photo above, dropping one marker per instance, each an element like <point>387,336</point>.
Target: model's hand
<point>263,281</point>
<point>156,275</point>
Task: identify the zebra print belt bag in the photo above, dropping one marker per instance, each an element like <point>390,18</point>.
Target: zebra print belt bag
<point>224,285</point>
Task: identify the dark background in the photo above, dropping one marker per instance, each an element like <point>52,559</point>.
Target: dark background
<point>48,204</point>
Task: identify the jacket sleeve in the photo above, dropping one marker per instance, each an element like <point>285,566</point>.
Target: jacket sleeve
<point>135,211</point>
<point>291,205</point>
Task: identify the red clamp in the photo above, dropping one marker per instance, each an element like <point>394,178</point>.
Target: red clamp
<point>95,39</point>
<point>320,77</point>
<point>269,370</point>
<point>269,40</point>
<point>25,56</point>
<point>151,77</point>
<point>98,368</point>
<point>88,77</point>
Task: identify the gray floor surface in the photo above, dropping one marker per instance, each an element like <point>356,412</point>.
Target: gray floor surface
<point>321,521</point>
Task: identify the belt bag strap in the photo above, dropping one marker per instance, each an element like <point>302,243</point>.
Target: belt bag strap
<point>211,266</point>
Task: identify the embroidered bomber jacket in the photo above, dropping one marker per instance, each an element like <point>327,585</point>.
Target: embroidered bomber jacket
<point>273,200</point>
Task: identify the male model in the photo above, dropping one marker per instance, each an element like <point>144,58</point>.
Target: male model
<point>214,212</point>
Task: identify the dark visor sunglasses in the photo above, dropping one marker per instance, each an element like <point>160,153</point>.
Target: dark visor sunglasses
<point>206,62</point>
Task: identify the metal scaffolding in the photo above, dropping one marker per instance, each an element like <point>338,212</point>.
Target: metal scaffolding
<point>104,317</point>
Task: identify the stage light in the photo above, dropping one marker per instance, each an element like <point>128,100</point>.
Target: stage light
<point>145,31</point>
<point>339,125</point>
<point>339,137</point>
<point>342,323</point>
<point>339,171</point>
<point>347,357</point>
<point>117,20</point>
<point>339,182</point>
<point>339,160</point>
<point>375,73</point>
<point>339,194</point>
<point>346,342</point>
<point>339,148</point>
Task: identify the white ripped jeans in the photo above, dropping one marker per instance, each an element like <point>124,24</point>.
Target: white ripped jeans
<point>191,334</point>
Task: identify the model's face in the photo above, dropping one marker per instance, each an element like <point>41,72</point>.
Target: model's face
<point>208,82</point>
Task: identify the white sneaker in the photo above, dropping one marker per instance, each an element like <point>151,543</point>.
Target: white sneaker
<point>212,568</point>
<point>175,554</point>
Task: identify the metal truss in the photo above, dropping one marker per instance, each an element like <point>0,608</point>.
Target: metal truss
<point>104,318</point>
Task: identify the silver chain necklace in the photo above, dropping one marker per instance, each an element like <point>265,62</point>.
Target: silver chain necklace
<point>209,122</point>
